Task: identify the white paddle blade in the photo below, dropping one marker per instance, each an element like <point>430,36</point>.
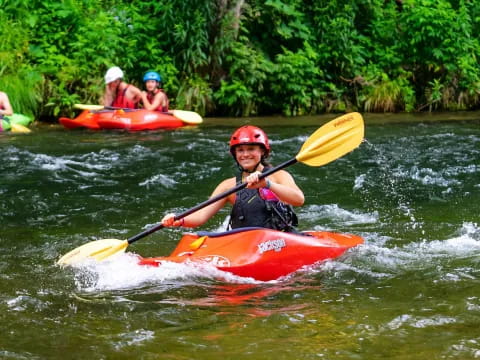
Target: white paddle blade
<point>92,249</point>
<point>333,140</point>
<point>189,117</point>
<point>88,107</point>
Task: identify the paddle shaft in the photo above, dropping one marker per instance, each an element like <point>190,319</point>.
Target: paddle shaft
<point>189,117</point>
<point>211,200</point>
<point>130,109</point>
<point>98,108</point>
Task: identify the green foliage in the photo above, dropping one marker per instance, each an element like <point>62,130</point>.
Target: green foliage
<point>334,99</point>
<point>195,94</point>
<point>294,81</point>
<point>235,96</point>
<point>23,91</point>
<point>286,23</point>
<point>240,92</point>
<point>438,45</point>
<point>434,94</point>
<point>17,78</point>
<point>241,58</point>
<point>340,44</point>
<point>383,94</point>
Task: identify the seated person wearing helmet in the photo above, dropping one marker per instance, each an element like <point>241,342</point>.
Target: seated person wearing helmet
<point>5,107</point>
<point>154,98</point>
<point>118,93</point>
<point>265,203</point>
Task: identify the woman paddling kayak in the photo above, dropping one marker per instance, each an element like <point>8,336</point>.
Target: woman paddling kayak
<point>333,140</point>
<point>263,203</point>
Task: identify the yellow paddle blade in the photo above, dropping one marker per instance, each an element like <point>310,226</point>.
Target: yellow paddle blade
<point>194,245</point>
<point>20,128</point>
<point>333,140</point>
<point>88,107</point>
<point>190,117</point>
<point>105,253</point>
<point>94,249</point>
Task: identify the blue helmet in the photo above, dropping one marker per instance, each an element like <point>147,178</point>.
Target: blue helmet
<point>152,75</point>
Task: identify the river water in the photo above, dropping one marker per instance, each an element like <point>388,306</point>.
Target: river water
<point>411,292</point>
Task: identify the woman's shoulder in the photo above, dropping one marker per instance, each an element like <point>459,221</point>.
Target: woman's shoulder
<point>283,177</point>
<point>160,93</point>
<point>132,87</point>
<point>282,173</point>
<point>227,183</point>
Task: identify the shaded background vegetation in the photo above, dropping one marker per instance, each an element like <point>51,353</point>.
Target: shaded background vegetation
<point>245,57</point>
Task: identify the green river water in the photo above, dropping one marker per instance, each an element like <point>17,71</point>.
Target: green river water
<point>412,190</point>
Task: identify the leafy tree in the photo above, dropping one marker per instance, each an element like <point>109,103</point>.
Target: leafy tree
<point>241,58</point>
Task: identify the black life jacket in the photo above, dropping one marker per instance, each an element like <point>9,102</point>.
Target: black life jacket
<point>252,209</point>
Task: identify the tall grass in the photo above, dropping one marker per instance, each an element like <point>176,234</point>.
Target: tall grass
<point>388,95</point>
<point>23,90</point>
<point>194,94</point>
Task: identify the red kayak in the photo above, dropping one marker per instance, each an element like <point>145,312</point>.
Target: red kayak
<point>86,119</point>
<point>258,253</point>
<point>132,120</point>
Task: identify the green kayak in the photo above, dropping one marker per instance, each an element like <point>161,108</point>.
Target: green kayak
<point>9,122</point>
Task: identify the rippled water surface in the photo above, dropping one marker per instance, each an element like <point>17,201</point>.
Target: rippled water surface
<point>411,292</point>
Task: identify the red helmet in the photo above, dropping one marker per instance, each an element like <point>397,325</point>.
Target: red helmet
<point>249,135</point>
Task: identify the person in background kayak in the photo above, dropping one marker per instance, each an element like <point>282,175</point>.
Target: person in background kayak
<point>118,93</point>
<point>154,98</point>
<point>264,203</point>
<point>5,107</point>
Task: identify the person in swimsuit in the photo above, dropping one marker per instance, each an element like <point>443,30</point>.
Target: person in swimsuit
<point>154,98</point>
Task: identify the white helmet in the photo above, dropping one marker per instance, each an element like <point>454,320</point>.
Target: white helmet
<point>113,74</point>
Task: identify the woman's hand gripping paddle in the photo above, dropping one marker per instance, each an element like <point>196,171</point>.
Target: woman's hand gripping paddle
<point>188,117</point>
<point>330,142</point>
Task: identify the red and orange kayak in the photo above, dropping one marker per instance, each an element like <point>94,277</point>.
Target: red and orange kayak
<point>132,120</point>
<point>258,253</point>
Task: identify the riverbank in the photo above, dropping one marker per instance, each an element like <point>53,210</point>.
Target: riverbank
<point>313,120</point>
<point>370,118</point>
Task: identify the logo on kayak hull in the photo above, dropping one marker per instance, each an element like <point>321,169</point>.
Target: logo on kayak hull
<point>343,120</point>
<point>216,260</point>
<point>275,245</point>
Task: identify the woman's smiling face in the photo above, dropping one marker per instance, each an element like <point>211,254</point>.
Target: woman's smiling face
<point>248,156</point>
